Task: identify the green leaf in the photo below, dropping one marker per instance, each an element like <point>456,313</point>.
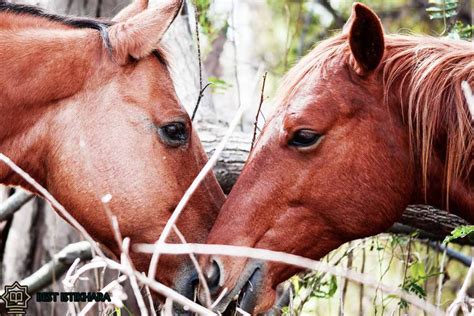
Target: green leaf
<point>218,85</point>
<point>459,232</point>
<point>446,8</point>
<point>418,272</point>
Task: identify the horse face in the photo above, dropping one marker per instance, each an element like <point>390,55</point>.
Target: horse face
<point>126,137</point>
<point>133,140</point>
<point>331,165</point>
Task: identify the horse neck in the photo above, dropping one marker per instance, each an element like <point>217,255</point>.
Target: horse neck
<point>426,85</point>
<point>23,139</point>
<point>30,90</point>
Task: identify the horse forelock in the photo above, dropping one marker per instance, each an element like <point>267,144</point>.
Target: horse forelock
<point>426,74</point>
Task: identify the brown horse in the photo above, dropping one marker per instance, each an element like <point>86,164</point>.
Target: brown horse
<point>88,108</point>
<point>367,124</point>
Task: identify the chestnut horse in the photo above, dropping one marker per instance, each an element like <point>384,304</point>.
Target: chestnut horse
<point>88,109</point>
<point>366,124</point>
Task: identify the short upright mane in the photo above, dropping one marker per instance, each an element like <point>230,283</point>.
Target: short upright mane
<point>76,22</point>
<point>425,73</point>
<point>67,20</point>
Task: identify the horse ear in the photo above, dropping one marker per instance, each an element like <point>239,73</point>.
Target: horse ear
<point>366,38</point>
<point>139,35</point>
<point>131,10</point>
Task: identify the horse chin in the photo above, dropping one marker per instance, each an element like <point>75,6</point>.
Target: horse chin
<point>250,295</point>
<point>186,285</point>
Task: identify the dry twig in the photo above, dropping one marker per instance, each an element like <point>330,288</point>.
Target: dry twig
<point>258,111</point>
<point>192,188</point>
<point>285,258</point>
<point>58,265</point>
<point>53,202</point>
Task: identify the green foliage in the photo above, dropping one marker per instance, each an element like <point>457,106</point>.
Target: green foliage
<point>460,232</point>
<point>117,311</point>
<point>218,85</point>
<point>202,7</point>
<point>325,289</point>
<point>445,10</point>
<point>461,31</point>
<point>442,9</point>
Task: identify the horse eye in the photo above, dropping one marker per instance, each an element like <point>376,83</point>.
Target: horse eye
<point>174,134</point>
<point>304,138</point>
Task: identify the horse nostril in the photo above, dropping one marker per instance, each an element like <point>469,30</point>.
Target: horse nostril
<point>213,275</point>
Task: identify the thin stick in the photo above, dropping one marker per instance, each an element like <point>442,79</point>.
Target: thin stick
<point>53,202</point>
<point>105,199</point>
<point>109,287</point>
<point>461,297</point>
<point>241,311</point>
<point>168,308</point>
<point>103,262</point>
<point>161,289</point>
<point>198,43</point>
<point>150,300</point>
<point>59,264</point>
<point>258,111</point>
<point>285,258</point>
<point>361,293</point>
<point>189,192</point>
<point>219,298</point>
<point>440,279</point>
<point>127,262</point>
<point>202,279</point>
<point>234,45</point>
<point>201,95</point>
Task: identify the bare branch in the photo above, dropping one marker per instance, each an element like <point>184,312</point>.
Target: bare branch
<point>285,258</point>
<point>61,210</point>
<point>14,203</point>
<point>201,94</point>
<point>338,19</point>
<point>59,264</point>
<point>461,299</point>
<point>456,255</point>
<point>258,111</point>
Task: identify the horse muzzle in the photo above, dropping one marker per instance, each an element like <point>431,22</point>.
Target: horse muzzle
<point>246,292</point>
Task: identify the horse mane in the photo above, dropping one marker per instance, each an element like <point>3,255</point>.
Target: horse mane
<point>429,72</point>
<point>99,25</point>
<point>425,73</point>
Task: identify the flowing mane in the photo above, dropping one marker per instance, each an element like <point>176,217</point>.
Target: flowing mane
<point>425,73</point>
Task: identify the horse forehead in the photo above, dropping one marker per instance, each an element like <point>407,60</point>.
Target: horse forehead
<point>320,100</point>
<point>333,93</point>
<point>149,83</point>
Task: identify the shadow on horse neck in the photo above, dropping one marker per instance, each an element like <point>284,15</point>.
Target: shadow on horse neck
<point>88,108</point>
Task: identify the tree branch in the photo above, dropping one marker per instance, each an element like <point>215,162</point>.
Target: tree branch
<point>59,264</point>
<point>14,203</point>
<point>456,255</point>
<point>338,19</point>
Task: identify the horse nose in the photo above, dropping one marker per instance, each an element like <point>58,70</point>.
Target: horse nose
<point>213,276</point>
